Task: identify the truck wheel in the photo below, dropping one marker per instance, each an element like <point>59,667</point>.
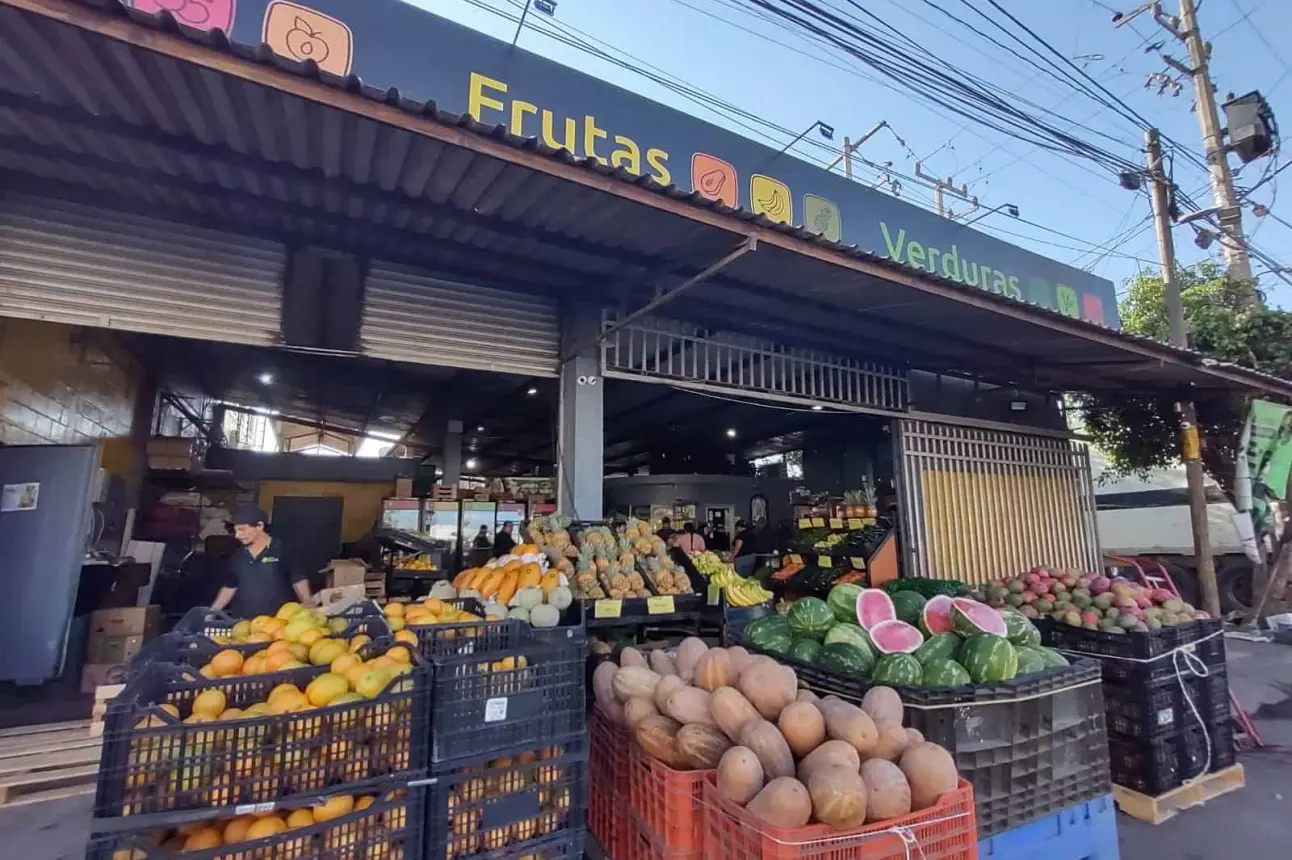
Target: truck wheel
<point>1186,581</point>
<point>1234,579</point>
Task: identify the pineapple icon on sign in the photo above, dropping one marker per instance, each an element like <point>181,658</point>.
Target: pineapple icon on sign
<point>821,216</point>
<point>300,33</point>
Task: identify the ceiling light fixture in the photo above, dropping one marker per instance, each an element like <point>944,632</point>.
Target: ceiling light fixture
<point>471,463</point>
<point>731,433</point>
<point>531,392</point>
<point>266,378</point>
<point>817,408</point>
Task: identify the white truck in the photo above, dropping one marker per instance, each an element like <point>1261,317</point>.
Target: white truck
<point>1150,518</point>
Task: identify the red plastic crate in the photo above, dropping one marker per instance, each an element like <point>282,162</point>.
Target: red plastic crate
<point>640,846</point>
<point>668,804</point>
<point>609,760</point>
<point>944,831</point>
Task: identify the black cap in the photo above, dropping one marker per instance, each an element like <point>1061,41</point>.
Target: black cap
<point>249,515</point>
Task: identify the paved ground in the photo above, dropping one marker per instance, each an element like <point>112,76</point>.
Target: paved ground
<point>1252,824</point>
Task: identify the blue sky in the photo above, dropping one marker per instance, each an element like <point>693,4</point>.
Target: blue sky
<point>729,49</point>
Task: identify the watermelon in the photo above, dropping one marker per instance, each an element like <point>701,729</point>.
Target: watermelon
<point>939,646</point>
<point>969,618</point>
<point>1019,629</point>
<point>1053,659</point>
<point>898,669</point>
<point>810,617</point>
<point>909,606</point>
<point>843,658</point>
<point>987,658</point>
<point>945,673</point>
<point>760,629</point>
<point>936,615</point>
<point>853,635</point>
<point>842,600</point>
<point>779,642</point>
<point>873,606</point>
<point>804,649</point>
<point>1030,660</point>
<point>895,637</point>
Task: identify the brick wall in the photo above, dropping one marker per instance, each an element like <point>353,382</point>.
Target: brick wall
<point>62,385</point>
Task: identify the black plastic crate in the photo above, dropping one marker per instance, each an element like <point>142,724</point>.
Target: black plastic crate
<point>1155,766</point>
<point>394,825</point>
<point>1139,658</point>
<point>201,626</point>
<point>1160,708</point>
<point>153,763</point>
<point>508,802</point>
<point>499,686</point>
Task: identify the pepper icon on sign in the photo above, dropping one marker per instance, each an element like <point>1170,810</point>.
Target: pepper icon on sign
<point>300,33</point>
<point>714,178</point>
<point>203,14</point>
<point>822,217</point>
<point>771,198</point>
<point>1092,308</point>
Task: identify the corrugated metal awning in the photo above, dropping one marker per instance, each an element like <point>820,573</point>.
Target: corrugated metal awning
<point>131,111</point>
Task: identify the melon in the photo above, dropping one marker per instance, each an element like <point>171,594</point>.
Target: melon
<point>847,722</point>
<point>806,695</point>
<point>902,669</point>
<point>909,605</point>
<point>896,637</point>
<point>804,650</point>
<point>657,736</point>
<point>701,746</point>
<point>770,746</point>
<point>988,658</point>
<point>939,646</point>
<point>783,802</point>
<point>829,754</point>
<point>767,688</point>
<point>969,618</point>
<point>838,797</point>
<point>740,775</point>
<point>852,635</point>
<point>731,711</point>
<point>930,772</point>
<point>630,656</point>
<point>935,618</point>
<point>661,663</point>
<point>842,601</point>
<point>913,736</point>
<point>638,709</point>
<point>888,795</point>
<point>810,618</point>
<point>883,704</point>
<point>1030,660</point>
<point>665,688</point>
<point>1021,631</point>
<point>802,726</point>
<point>634,682</point>
<point>739,657</point>
<point>845,658</point>
<point>1053,659</point>
<point>689,652</point>
<point>713,670</point>
<point>873,606</point>
<point>945,673</point>
<point>891,741</point>
<point>603,690</point>
<point>689,705</point>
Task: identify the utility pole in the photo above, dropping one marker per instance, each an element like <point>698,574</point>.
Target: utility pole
<point>1190,446</point>
<point>941,186</point>
<point>851,146</point>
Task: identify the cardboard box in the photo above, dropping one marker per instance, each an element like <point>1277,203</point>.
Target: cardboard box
<point>113,649</point>
<point>332,601</point>
<point>127,621</point>
<point>341,572</point>
<point>95,675</point>
<point>403,488</point>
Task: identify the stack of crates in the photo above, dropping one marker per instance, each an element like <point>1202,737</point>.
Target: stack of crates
<point>508,741</point>
<point>1165,711</point>
<point>609,783</point>
<point>248,766</point>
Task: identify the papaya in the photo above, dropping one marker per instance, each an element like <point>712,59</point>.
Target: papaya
<point>491,584</point>
<point>460,581</point>
<point>507,590</point>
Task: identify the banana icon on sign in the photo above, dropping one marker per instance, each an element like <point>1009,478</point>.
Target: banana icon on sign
<point>771,198</point>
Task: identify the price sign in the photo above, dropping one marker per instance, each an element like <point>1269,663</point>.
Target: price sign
<point>818,522</point>
<point>662,605</point>
<point>796,559</point>
<point>824,561</point>
<point>836,523</point>
<point>858,563</point>
<point>715,595</point>
<point>870,521</point>
<point>607,608</point>
<point>805,523</point>
<point>854,522</point>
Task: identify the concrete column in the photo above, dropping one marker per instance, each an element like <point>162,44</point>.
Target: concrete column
<point>452,455</point>
<point>581,442</point>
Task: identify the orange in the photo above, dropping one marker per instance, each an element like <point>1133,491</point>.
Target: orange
<point>270,825</point>
<point>231,714</point>
<point>399,654</point>
<point>293,664</point>
<point>276,646</point>
<point>326,687</point>
<point>300,818</point>
<point>274,627</point>
<point>395,624</point>
<point>372,683</point>
<point>258,623</point>
<point>310,636</point>
<point>358,642</point>
<point>289,702</point>
<point>240,630</point>
<point>408,637</point>
<point>334,807</point>
<point>281,689</point>
<point>383,662</point>
<point>354,673</point>
<point>324,651</point>
<point>344,662</point>
<point>288,610</point>
<point>257,638</point>
<point>434,606</point>
<point>204,840</point>
<point>236,830</point>
<point>364,802</point>
<point>393,610</point>
<point>209,704</point>
<point>255,664</point>
<point>275,662</point>
<point>227,662</point>
<point>171,709</point>
<point>208,672</point>
<point>299,651</point>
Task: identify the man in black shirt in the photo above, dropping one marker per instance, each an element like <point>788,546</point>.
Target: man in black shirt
<point>262,574</point>
<point>503,542</point>
<point>666,529</point>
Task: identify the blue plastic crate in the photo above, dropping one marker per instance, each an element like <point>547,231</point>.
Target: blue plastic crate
<point>1086,831</point>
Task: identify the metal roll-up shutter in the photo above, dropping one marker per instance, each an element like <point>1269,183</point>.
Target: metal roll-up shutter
<point>410,316</point>
<point>81,265</point>
<point>981,504</point>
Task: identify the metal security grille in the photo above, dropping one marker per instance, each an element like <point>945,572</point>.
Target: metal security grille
<point>79,265</point>
<point>981,504</point>
<point>654,349</point>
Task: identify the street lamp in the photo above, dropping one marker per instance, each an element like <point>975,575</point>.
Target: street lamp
<point>1008,208</point>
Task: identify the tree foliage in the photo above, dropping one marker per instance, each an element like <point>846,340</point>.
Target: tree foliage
<point>1140,433</point>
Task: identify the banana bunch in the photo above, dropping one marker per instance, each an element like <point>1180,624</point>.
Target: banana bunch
<point>740,591</point>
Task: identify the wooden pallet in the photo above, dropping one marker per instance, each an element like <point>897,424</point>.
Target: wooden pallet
<point>55,760</point>
<point>1164,807</point>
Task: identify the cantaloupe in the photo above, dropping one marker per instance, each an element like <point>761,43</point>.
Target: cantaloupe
<point>829,754</point>
<point>783,802</point>
<point>739,658</point>
<point>637,709</point>
<point>767,688</point>
<point>803,727</point>
<point>930,772</point>
<point>689,652</point>
<point>890,741</point>
<point>770,746</point>
<point>888,795</point>
<point>701,746</point>
<point>740,775</point>
<point>806,695</point>
<point>731,711</point>
<point>661,663</point>
<point>665,688</point>
<point>713,670</point>
<point>689,705</point>
<point>849,723</point>
<point>838,797</point>
<point>630,656</point>
<point>883,704</point>
<point>657,736</point>
<point>914,736</point>
<point>633,681</point>
<point>603,691</point>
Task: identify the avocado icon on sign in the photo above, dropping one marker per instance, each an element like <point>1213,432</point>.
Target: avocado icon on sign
<point>771,198</point>
<point>1068,304</point>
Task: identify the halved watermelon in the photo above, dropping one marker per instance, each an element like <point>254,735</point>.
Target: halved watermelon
<point>969,618</point>
<point>874,606</point>
<point>896,637</point>
<point>936,616</point>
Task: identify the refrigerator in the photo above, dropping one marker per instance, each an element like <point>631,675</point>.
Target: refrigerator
<point>46,498</point>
